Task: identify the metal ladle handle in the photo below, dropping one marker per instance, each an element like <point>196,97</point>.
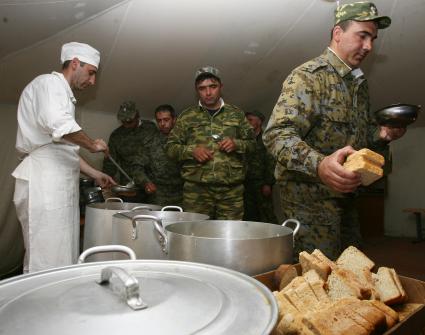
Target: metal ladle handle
<point>120,168</point>
<point>130,283</point>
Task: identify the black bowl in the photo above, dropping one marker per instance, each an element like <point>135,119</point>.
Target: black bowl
<point>397,115</point>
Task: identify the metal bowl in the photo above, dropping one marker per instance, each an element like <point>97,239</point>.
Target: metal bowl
<point>124,190</point>
<point>397,115</point>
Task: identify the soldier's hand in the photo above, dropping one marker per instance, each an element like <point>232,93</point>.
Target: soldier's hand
<point>202,154</point>
<point>391,134</point>
<point>266,190</point>
<point>333,174</point>
<point>100,145</point>
<point>150,188</point>
<point>227,145</point>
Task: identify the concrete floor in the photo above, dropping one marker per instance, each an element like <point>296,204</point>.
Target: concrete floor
<point>407,258</point>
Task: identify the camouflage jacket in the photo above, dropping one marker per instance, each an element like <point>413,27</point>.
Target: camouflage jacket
<point>194,127</point>
<point>322,108</point>
<point>155,166</point>
<point>124,146</point>
<point>261,164</point>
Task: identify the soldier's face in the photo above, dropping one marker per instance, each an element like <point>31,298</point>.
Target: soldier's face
<point>165,121</point>
<point>356,42</point>
<point>209,93</point>
<point>254,121</point>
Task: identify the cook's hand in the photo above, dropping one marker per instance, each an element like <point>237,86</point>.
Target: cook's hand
<point>390,134</point>
<point>266,190</point>
<point>202,154</point>
<point>227,145</point>
<point>100,145</point>
<point>103,180</point>
<point>150,188</point>
<point>333,174</point>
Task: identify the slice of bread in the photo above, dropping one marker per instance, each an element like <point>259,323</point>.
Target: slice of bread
<point>369,155</point>
<point>391,316</point>
<point>320,292</point>
<point>386,285</point>
<point>312,276</point>
<point>306,297</point>
<point>294,283</point>
<point>321,256</point>
<point>399,286</point>
<point>284,274</point>
<point>342,283</point>
<point>309,262</point>
<point>353,259</point>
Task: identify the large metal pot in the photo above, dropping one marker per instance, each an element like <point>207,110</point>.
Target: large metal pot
<point>98,223</point>
<point>137,296</point>
<point>245,246</point>
<point>135,229</point>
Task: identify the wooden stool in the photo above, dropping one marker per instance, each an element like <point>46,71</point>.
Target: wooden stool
<point>418,214</point>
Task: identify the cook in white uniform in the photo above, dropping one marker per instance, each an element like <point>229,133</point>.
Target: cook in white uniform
<point>46,187</point>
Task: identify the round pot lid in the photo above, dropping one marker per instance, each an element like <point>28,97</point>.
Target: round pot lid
<point>168,297</point>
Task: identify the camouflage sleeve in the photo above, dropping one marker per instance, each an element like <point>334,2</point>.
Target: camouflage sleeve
<point>140,162</point>
<point>108,167</point>
<point>270,164</point>
<point>176,146</point>
<point>246,141</point>
<point>291,119</point>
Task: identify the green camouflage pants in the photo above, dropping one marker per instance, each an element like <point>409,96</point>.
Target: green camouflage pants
<point>257,206</point>
<point>327,224</point>
<point>167,195</point>
<point>220,202</point>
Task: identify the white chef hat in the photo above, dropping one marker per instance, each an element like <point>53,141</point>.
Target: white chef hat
<point>84,52</point>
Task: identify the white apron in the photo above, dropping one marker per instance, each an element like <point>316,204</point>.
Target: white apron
<point>46,200</point>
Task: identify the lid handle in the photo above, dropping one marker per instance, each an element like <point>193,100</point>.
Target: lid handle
<point>114,199</point>
<point>157,222</point>
<point>172,207</point>
<point>141,207</point>
<point>127,281</point>
<point>106,248</point>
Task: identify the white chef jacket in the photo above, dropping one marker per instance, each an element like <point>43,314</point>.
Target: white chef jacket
<point>46,188</point>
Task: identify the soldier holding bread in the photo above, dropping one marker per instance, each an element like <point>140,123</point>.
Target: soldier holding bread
<point>321,117</point>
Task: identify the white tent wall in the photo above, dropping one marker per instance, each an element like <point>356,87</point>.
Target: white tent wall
<point>406,183</point>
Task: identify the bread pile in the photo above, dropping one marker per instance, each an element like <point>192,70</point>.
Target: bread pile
<point>368,163</point>
<point>342,297</point>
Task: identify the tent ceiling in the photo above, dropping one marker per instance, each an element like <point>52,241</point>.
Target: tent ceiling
<point>151,48</point>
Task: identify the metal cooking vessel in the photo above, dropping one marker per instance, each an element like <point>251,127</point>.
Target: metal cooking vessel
<point>137,296</point>
<point>98,223</point>
<point>397,115</point>
<point>135,229</point>
<point>245,246</point>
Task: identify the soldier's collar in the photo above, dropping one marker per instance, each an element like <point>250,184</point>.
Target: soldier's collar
<point>203,107</point>
<point>337,63</point>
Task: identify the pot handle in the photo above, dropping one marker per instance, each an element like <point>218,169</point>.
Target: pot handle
<point>296,222</point>
<point>129,282</point>
<point>172,207</point>
<point>141,207</point>
<point>106,248</point>
<point>162,238</point>
<point>114,199</point>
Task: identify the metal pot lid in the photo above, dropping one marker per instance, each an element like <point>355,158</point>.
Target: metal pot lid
<point>175,298</point>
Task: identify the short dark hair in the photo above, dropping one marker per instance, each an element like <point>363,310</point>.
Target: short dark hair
<point>204,76</point>
<point>166,108</point>
<point>343,25</point>
<point>67,62</point>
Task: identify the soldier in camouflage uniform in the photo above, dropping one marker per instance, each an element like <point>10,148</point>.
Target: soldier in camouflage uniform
<point>258,195</point>
<point>124,146</point>
<point>321,116</point>
<point>211,140</point>
<point>160,175</point>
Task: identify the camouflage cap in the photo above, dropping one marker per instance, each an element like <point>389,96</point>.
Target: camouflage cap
<point>257,114</point>
<point>207,69</point>
<point>361,11</point>
<point>127,111</point>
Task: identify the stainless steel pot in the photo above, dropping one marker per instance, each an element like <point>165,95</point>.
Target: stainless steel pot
<point>98,223</point>
<point>135,229</point>
<point>245,246</point>
<point>137,296</point>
